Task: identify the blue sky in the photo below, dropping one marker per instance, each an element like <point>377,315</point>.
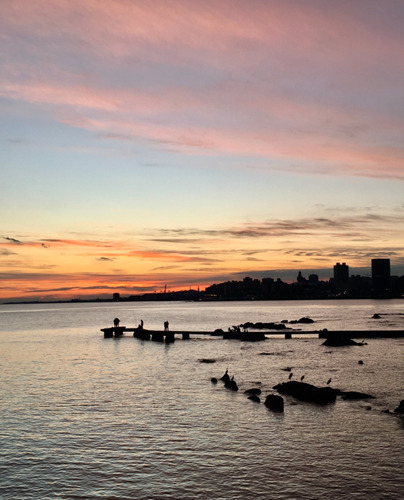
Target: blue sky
<point>182,143</point>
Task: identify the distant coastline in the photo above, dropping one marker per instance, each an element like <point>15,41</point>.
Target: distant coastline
<point>341,286</point>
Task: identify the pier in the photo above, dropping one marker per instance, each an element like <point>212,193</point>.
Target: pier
<point>169,336</point>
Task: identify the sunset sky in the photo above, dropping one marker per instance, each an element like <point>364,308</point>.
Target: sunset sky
<point>182,143</point>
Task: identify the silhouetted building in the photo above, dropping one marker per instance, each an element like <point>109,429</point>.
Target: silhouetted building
<point>341,272</point>
<point>381,277</point>
<point>341,277</point>
<point>301,280</point>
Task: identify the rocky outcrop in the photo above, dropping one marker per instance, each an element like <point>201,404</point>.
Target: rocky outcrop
<point>254,390</point>
<point>304,320</point>
<point>307,392</point>
<point>400,407</point>
<point>340,339</point>
<point>231,384</point>
<point>264,326</point>
<point>274,402</point>
<point>355,395</point>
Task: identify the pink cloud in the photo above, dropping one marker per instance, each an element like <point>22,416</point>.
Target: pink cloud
<point>316,88</point>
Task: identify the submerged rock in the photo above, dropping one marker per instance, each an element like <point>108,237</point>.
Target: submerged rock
<point>307,392</point>
<point>253,391</point>
<point>355,395</point>
<point>254,398</point>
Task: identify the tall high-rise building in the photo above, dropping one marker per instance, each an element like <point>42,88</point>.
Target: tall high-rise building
<point>341,272</point>
<point>380,276</point>
<point>341,277</point>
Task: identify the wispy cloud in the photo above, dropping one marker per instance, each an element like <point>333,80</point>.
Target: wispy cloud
<point>258,79</point>
<point>6,252</point>
<point>11,240</point>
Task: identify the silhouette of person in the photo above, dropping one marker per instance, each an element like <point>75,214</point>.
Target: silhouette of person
<point>116,322</point>
<point>166,326</point>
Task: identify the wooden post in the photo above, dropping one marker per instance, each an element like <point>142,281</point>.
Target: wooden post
<point>185,336</point>
<point>288,335</point>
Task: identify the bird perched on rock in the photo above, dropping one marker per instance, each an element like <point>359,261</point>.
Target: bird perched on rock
<point>290,376</point>
<point>329,381</point>
<point>302,378</point>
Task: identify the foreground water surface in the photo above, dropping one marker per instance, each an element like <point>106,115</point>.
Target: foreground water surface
<point>88,417</point>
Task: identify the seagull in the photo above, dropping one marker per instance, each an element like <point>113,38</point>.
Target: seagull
<point>290,376</point>
<point>302,378</point>
<point>329,381</point>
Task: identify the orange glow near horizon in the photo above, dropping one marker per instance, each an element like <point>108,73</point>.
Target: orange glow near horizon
<point>183,143</point>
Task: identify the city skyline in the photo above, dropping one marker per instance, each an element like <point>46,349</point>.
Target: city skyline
<point>181,144</point>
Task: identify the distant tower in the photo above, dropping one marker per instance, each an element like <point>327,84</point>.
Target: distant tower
<point>381,276</point>
<point>341,272</point>
<point>300,278</point>
<point>341,276</point>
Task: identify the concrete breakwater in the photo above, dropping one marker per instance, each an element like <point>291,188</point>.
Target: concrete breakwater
<point>161,335</point>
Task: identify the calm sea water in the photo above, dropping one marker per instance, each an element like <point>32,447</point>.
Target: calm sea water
<point>87,417</point>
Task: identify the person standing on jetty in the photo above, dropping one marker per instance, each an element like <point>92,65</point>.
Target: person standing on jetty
<point>116,322</point>
<point>166,326</point>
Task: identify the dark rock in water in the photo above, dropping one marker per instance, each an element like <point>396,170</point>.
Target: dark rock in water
<point>302,320</point>
<point>213,380</point>
<point>218,332</point>
<point>254,398</point>
<point>360,362</point>
<point>307,392</point>
<point>400,407</point>
<point>355,395</point>
<point>264,326</point>
<point>253,391</point>
<point>225,378</point>
<point>340,339</point>
<point>306,320</point>
<point>207,360</point>
<point>376,316</point>
<point>232,385</point>
<point>274,402</point>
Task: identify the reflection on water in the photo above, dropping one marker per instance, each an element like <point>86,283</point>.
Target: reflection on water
<point>84,417</point>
